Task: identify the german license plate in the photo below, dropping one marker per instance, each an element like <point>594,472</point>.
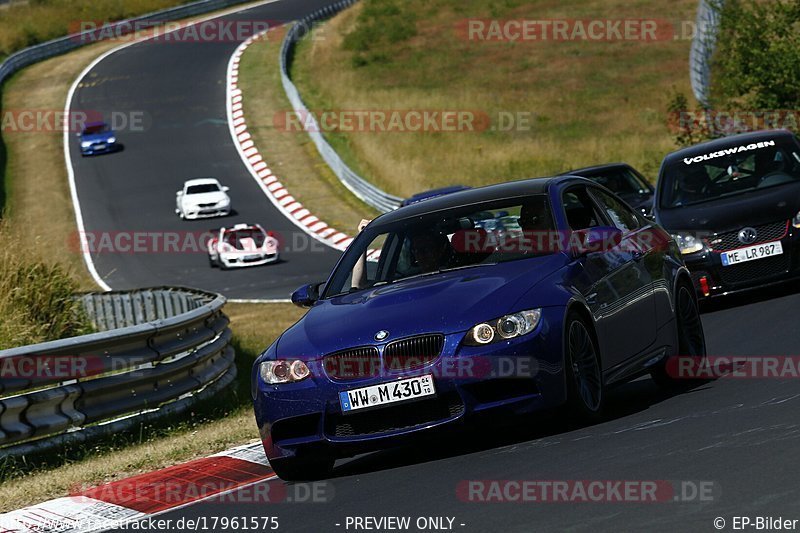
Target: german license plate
<point>751,253</point>
<point>386,393</point>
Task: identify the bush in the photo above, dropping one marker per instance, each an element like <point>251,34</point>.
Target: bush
<point>38,301</point>
<point>757,62</point>
<point>689,127</point>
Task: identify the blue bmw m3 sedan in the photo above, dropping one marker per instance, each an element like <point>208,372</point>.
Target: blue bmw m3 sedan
<point>437,312</point>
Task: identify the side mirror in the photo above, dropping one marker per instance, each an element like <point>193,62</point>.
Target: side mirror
<point>225,188</point>
<point>306,295</point>
<point>179,193</point>
<point>597,239</point>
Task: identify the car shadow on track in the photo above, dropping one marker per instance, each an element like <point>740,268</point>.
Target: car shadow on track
<point>484,434</point>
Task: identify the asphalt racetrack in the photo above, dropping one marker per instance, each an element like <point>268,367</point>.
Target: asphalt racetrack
<point>734,438</point>
<point>171,99</point>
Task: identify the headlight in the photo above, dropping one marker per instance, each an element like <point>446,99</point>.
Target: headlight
<point>688,244</point>
<point>274,372</point>
<point>224,202</point>
<point>796,220</point>
<point>507,327</point>
<point>112,140</point>
<point>86,144</point>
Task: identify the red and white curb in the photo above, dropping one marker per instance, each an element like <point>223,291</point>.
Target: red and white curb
<point>259,169</point>
<point>109,505</point>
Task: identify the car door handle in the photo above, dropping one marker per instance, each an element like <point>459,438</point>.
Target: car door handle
<point>637,256</point>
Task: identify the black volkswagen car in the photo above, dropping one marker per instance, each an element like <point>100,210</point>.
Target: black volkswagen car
<point>625,181</point>
<point>733,205</point>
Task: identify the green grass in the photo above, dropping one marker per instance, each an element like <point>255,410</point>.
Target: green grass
<point>30,23</point>
<point>588,102</point>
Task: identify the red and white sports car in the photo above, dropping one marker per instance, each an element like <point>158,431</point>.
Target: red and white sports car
<point>242,245</point>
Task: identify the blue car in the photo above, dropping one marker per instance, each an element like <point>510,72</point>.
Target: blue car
<point>429,319</point>
<point>433,193</point>
<point>98,138</point>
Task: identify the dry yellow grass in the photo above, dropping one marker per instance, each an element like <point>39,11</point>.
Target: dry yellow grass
<point>591,102</point>
<point>109,464</point>
<point>39,207</point>
<point>291,154</point>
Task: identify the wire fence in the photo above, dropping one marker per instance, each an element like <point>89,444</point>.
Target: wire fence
<point>703,43</point>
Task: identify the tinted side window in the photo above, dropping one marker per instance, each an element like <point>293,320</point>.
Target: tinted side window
<point>618,213</point>
<point>580,210</point>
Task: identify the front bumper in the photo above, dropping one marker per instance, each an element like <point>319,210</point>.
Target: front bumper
<point>721,280</point>
<point>211,212</point>
<point>242,261</point>
<point>101,148</point>
<point>518,376</point>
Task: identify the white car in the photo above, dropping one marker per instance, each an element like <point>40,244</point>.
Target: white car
<point>202,198</point>
<point>243,245</point>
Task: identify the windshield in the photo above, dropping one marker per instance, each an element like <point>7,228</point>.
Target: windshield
<point>246,238</point>
<point>91,129</point>
<point>732,170</point>
<point>462,237</point>
<point>200,189</point>
<point>621,180</point>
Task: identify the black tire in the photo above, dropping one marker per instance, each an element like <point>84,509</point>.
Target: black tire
<point>212,263</point>
<point>303,468</point>
<point>585,388</point>
<point>690,335</point>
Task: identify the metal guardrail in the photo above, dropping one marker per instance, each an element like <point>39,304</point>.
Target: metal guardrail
<point>363,189</point>
<point>172,349</point>
<point>34,54</point>
<point>703,43</point>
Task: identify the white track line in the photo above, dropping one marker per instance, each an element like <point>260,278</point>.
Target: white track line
<point>270,185</point>
<point>87,255</point>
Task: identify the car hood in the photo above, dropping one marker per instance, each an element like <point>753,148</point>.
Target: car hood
<point>203,198</point>
<point>449,302</point>
<point>734,212</point>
